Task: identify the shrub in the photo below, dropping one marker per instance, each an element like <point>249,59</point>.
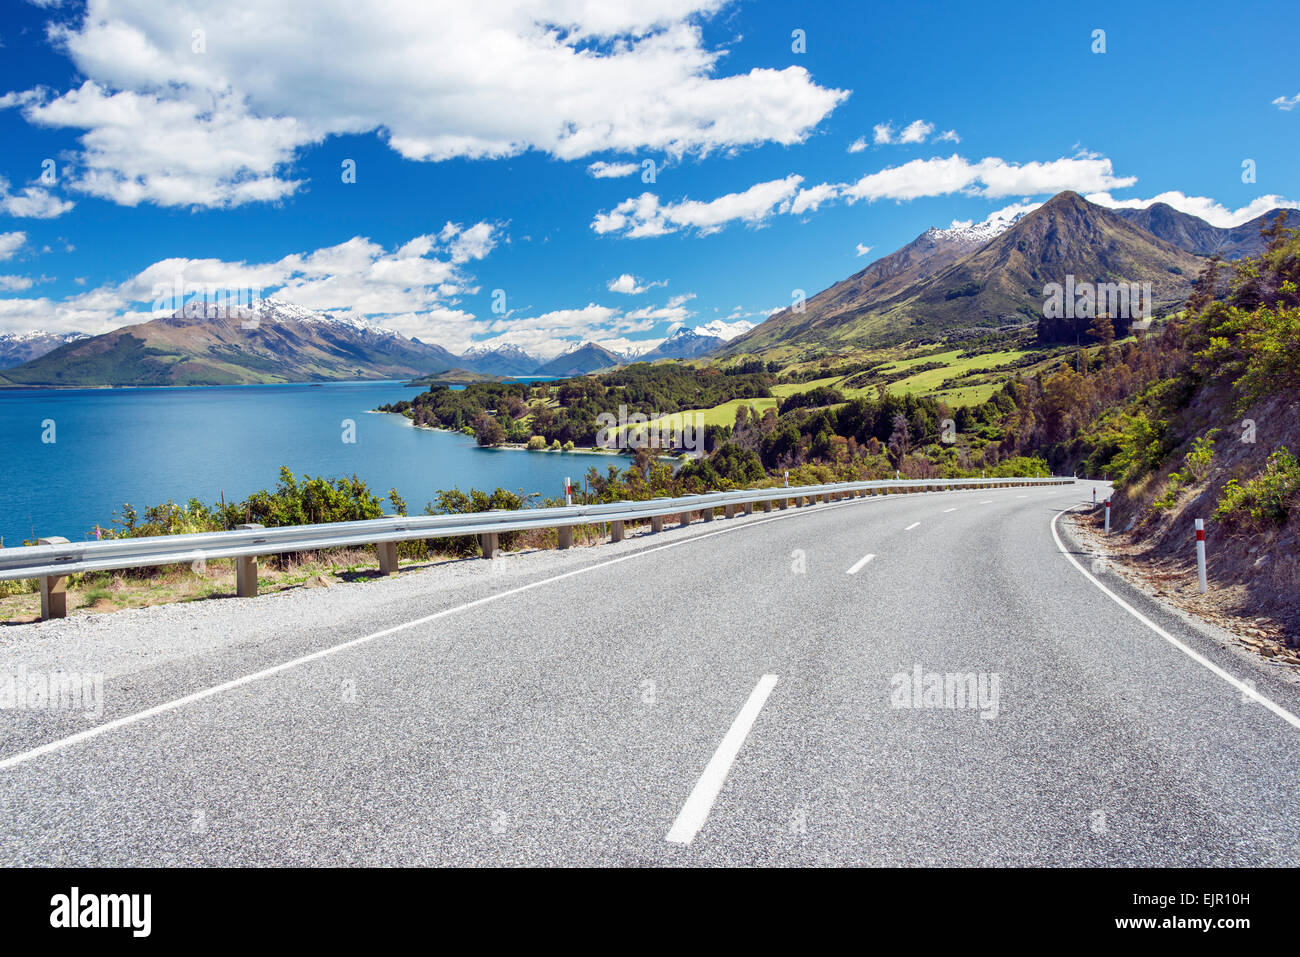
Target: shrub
<point>456,502</point>
<point>1267,498</point>
<point>536,442</point>
<point>1195,464</point>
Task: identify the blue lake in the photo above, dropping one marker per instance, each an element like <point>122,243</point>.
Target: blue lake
<point>145,446</point>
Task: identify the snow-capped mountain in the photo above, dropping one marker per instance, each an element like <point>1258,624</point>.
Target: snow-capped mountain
<point>581,359</point>
<point>19,347</point>
<point>507,360</point>
<point>972,234</point>
<point>271,341</point>
<point>725,330</point>
<point>683,344</point>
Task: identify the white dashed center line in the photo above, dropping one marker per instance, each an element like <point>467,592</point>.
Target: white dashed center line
<point>912,526</point>
<point>857,566</point>
<point>696,809</point>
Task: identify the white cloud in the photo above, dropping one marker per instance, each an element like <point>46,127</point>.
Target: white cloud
<point>918,131</point>
<point>991,177</point>
<point>630,285</point>
<point>1287,102</point>
<point>858,145</point>
<point>644,215</point>
<point>813,197</point>
<point>1207,209</point>
<point>602,170</point>
<point>550,333</point>
<point>677,314</point>
<point>415,289</point>
<point>10,243</point>
<point>14,283</point>
<point>32,203</point>
<point>863,250</point>
<point>436,80</point>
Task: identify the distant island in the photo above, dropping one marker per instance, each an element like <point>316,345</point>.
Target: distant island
<point>456,377</point>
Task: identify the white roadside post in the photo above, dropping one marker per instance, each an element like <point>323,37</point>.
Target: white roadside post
<point>1107,516</point>
<point>1094,496</point>
<point>1200,555</point>
<point>568,491</point>
<point>787,478</point>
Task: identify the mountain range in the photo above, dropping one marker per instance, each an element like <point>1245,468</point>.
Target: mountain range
<point>969,281</point>
<point>961,282</point>
<point>17,348</point>
<point>275,341</point>
<point>1197,236</point>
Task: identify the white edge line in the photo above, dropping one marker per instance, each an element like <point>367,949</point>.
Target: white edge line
<point>58,745</point>
<point>696,809</point>
<point>953,509</point>
<point>857,566</point>
<point>912,526</point>
<point>1196,656</point>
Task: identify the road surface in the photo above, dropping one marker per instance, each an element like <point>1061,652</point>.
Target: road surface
<point>737,693</point>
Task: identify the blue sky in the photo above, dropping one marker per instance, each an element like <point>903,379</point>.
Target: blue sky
<point>217,155</point>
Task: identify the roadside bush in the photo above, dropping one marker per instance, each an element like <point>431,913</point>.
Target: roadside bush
<point>1266,499</point>
<point>456,502</point>
<point>1195,464</point>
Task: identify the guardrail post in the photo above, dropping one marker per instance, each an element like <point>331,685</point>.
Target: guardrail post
<point>565,535</point>
<point>387,557</point>
<point>729,511</point>
<point>767,505</point>
<point>684,519</point>
<point>707,513</point>
<point>656,523</point>
<point>488,543</point>
<point>54,588</point>
<point>783,503</point>
<point>246,569</point>
<point>616,531</point>
<point>749,508</point>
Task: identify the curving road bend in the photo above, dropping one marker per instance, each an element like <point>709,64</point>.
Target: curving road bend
<point>752,691</point>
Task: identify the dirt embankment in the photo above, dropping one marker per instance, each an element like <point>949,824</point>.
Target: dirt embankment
<point>1253,568</point>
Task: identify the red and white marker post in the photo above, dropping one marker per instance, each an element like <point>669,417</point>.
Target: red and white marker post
<point>1094,496</point>
<point>1200,555</point>
<point>568,491</point>
<point>1107,516</point>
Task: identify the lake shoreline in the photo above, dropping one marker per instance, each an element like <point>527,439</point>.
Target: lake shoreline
<point>521,447</point>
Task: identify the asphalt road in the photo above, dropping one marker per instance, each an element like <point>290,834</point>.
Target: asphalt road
<point>731,686</point>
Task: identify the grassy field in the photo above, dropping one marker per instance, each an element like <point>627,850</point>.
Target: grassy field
<point>928,382</point>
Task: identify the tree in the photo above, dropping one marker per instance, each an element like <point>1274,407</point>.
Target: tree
<point>900,440</point>
<point>488,431</point>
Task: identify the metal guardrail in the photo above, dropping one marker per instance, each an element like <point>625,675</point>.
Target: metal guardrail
<point>55,559</point>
